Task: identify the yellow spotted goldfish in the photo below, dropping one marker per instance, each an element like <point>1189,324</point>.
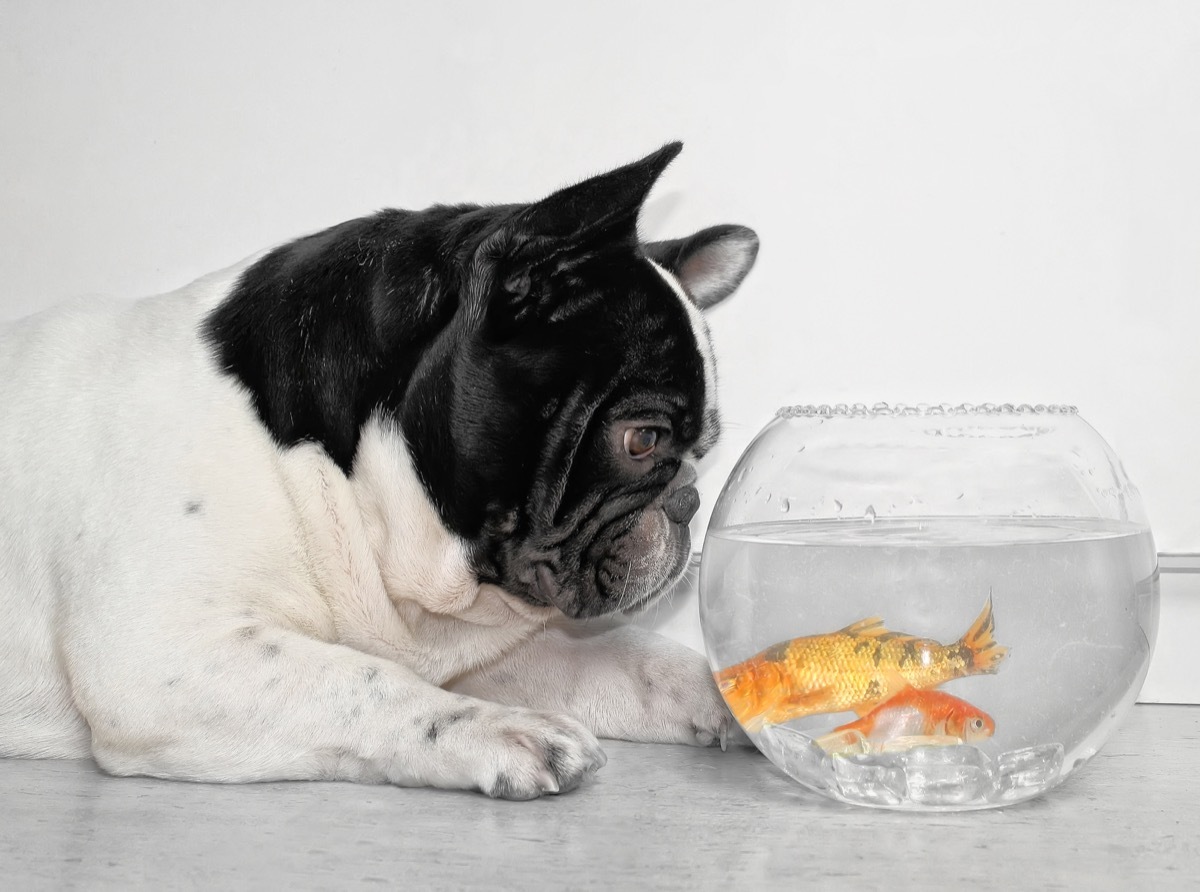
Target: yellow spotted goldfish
<point>854,669</point>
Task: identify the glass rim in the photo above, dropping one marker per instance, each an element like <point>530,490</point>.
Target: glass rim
<point>903,410</point>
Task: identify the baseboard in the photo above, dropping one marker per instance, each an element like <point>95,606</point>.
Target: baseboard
<point>1173,676</point>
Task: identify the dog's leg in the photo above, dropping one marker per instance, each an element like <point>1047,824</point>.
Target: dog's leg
<point>263,703</point>
<point>621,682</point>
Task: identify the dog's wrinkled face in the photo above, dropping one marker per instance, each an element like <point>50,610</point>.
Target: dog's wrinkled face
<point>551,375</point>
<point>614,402</point>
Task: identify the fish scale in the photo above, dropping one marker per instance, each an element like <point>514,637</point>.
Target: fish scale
<point>853,669</point>
<point>842,664</point>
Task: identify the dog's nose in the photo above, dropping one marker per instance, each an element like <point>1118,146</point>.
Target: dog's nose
<point>682,504</point>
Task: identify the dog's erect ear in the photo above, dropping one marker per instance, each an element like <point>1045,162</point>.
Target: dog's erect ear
<point>603,203</point>
<point>601,209</point>
<point>710,264</point>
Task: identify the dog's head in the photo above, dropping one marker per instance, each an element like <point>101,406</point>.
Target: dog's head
<point>551,375</point>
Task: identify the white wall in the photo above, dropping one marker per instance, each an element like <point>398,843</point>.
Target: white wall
<point>957,201</point>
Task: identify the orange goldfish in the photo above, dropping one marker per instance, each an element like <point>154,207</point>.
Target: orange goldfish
<point>856,668</point>
<point>916,713</point>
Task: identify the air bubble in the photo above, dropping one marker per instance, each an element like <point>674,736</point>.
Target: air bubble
<point>870,514</point>
<point>785,505</point>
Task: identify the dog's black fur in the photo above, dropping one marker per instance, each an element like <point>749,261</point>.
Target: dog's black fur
<point>437,318</point>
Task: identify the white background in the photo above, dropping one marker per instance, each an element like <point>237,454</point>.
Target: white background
<point>957,201</point>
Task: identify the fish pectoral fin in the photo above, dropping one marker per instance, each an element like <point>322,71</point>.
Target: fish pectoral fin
<point>844,742</point>
<point>896,683</point>
<point>893,685</point>
<point>797,706</point>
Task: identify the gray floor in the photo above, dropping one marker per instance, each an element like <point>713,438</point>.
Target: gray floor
<point>664,817</point>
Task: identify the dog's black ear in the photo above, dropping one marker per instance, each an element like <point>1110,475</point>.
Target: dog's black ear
<point>600,205</point>
<point>602,209</point>
<point>710,264</point>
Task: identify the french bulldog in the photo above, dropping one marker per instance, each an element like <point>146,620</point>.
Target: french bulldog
<point>338,511</point>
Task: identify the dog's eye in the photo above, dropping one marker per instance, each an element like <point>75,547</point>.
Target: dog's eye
<point>640,442</point>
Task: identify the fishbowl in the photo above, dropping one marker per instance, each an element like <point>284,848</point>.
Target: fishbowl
<point>929,607</point>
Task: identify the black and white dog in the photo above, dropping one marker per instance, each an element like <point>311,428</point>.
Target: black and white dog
<point>322,515</point>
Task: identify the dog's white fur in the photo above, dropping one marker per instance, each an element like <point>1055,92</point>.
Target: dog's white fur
<point>181,597</point>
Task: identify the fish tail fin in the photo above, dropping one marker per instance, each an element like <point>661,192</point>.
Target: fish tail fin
<point>986,654</point>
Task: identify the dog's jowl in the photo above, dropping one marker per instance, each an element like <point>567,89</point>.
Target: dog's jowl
<point>335,512</point>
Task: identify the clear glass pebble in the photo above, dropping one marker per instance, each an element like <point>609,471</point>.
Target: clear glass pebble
<point>871,779</point>
<point>948,776</point>
<point>1034,768</point>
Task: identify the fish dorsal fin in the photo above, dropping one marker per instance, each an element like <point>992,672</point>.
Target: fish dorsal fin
<point>871,627</point>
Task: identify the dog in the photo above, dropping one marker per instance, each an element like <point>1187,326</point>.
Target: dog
<point>337,512</point>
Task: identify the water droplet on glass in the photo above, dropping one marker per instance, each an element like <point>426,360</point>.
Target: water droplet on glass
<point>870,513</point>
<point>839,505</point>
<point>785,505</point>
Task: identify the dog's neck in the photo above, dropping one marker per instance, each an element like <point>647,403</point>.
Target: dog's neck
<point>397,583</point>
<point>418,558</point>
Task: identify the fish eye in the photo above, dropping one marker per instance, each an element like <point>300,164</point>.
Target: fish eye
<point>977,724</point>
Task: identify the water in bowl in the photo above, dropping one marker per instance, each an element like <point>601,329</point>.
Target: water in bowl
<point>1074,601</point>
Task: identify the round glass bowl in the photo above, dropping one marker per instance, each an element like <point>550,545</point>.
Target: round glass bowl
<point>929,607</point>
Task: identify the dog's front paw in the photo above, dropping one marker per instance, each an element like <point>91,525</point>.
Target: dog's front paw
<point>522,754</point>
<point>681,700</point>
